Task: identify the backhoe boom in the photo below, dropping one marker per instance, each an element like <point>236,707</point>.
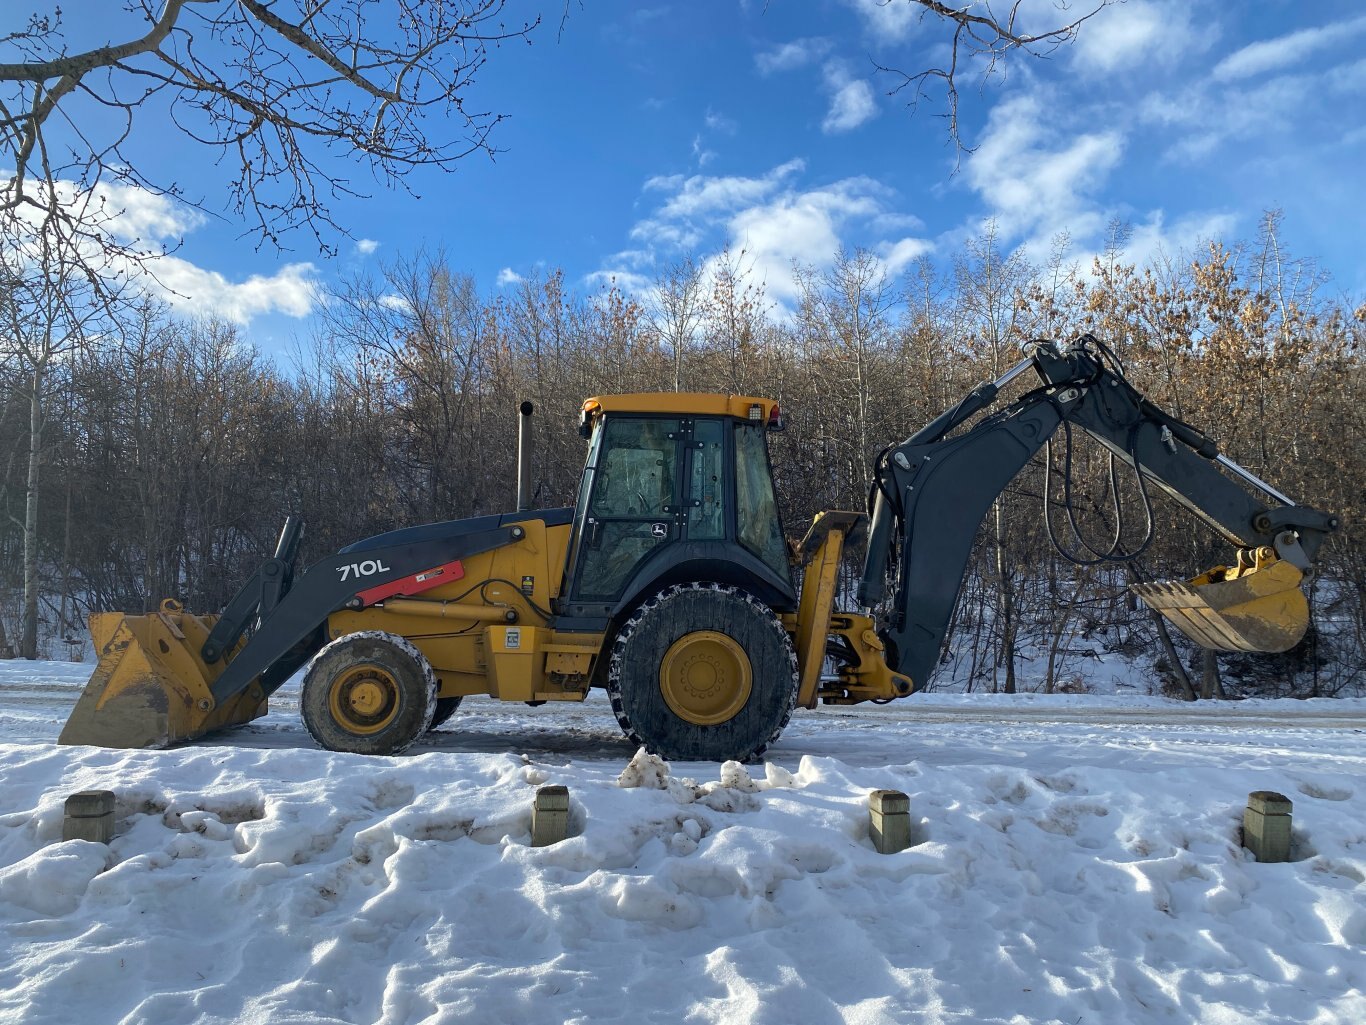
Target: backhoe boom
<point>931,492</point>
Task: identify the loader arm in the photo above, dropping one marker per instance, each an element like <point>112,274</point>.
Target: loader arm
<point>931,492</point>
<point>172,676</point>
<point>284,638</point>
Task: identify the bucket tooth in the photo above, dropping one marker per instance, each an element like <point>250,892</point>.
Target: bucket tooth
<point>1261,609</point>
<point>151,688</point>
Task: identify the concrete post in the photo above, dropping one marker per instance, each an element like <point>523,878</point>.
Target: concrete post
<point>89,816</point>
<point>550,816</point>
<point>1266,826</point>
<point>889,820</point>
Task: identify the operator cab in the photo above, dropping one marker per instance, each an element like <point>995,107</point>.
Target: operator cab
<point>676,487</point>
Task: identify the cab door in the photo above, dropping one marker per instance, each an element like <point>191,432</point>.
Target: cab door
<point>633,505</point>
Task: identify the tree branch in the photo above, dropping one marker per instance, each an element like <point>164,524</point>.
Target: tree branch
<point>982,38</point>
<point>77,65</point>
<point>252,91</point>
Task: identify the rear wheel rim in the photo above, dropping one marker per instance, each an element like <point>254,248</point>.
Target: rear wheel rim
<point>705,678</point>
<point>363,699</point>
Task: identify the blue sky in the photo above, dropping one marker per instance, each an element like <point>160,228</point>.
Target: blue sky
<point>646,132</point>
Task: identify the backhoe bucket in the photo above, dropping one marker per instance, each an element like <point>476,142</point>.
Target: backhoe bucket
<point>151,686</point>
<point>1256,607</point>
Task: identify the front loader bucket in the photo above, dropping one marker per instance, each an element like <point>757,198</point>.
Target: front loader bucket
<point>1257,608</point>
<point>151,686</point>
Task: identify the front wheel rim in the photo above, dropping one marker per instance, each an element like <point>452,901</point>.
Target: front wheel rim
<point>364,699</point>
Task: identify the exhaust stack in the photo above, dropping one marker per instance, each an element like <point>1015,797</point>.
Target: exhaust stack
<point>524,457</point>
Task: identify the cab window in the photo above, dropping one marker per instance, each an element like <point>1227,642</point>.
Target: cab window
<point>632,508</point>
<point>756,510</point>
<point>707,491</point>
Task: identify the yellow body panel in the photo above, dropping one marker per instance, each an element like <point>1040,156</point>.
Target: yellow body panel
<point>820,551</point>
<point>866,677</point>
<point>517,659</point>
<point>485,633</point>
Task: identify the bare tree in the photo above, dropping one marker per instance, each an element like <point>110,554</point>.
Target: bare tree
<point>734,318</point>
<point>989,283</point>
<point>982,35</point>
<point>268,87</point>
<point>677,308</point>
<point>47,307</point>
<point>845,313</point>
<point>421,326</point>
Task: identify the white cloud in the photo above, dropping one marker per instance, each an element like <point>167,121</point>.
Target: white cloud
<point>658,234</point>
<point>1348,78</point>
<point>801,227</point>
<point>1184,235</point>
<point>1038,182</point>
<point>625,281</point>
<point>1257,112</point>
<point>700,196</point>
<point>891,221</point>
<point>851,101</point>
<point>790,56</point>
<point>292,290</point>
<point>131,214</point>
<point>1354,136</point>
<point>139,214</point>
<point>897,256</point>
<point>889,20</point>
<point>143,222</point>
<point>1250,99</point>
<point>1284,51</point>
<point>634,258</point>
<point>507,276</point>
<point>1134,33</point>
<point>700,153</point>
<point>1034,179</point>
<point>717,122</point>
<point>773,222</point>
<point>713,123</point>
<point>366,246</point>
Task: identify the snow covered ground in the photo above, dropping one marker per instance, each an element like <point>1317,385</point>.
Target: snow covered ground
<point>1078,861</point>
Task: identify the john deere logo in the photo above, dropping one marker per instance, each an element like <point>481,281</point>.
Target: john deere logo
<point>659,530</point>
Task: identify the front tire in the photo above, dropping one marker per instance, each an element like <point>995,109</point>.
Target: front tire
<point>369,693</point>
<point>703,672</point>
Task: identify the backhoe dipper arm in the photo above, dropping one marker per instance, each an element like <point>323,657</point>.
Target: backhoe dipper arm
<point>930,493</point>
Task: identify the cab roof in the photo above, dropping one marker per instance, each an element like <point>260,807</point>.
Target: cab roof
<point>681,403</point>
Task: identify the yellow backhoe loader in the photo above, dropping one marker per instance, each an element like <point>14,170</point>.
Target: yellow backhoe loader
<point>670,583</point>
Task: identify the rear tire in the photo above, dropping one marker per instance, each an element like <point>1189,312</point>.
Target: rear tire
<point>703,672</point>
<point>369,693</point>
